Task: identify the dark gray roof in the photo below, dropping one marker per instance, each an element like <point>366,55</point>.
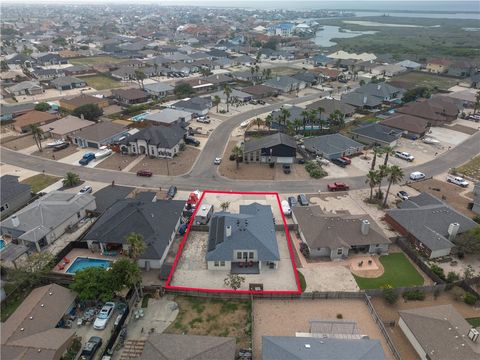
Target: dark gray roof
<point>100,131</point>
<point>161,136</point>
<point>378,132</point>
<point>270,141</point>
<point>305,76</point>
<point>282,82</point>
<point>188,347</point>
<point>67,80</point>
<point>381,90</point>
<point>12,109</point>
<point>330,105</point>
<point>10,188</point>
<point>155,221</point>
<point>251,229</point>
<point>295,114</point>
<point>107,196</point>
<point>427,219</point>
<point>360,99</point>
<point>158,87</point>
<point>296,348</point>
<point>196,103</point>
<point>330,144</point>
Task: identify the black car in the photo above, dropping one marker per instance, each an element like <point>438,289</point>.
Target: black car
<point>286,168</point>
<point>301,161</point>
<point>91,347</point>
<point>302,199</point>
<point>191,141</point>
<point>339,162</point>
<point>171,192</point>
<point>60,147</point>
<point>292,201</point>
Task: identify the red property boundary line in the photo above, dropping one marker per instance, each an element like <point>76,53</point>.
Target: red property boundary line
<point>182,245</point>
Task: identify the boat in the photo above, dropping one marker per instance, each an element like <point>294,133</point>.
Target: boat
<point>55,143</point>
<point>429,140</point>
<point>103,153</point>
<point>245,123</point>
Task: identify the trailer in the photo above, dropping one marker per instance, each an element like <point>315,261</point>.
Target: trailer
<point>203,215</point>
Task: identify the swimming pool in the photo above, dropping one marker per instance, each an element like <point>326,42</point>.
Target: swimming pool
<point>81,263</point>
<point>2,244</point>
<point>139,117</point>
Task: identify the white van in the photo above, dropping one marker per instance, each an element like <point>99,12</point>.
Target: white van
<point>417,175</point>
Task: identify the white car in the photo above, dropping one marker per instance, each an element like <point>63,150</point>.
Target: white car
<point>85,190</point>
<point>204,119</point>
<point>417,175</point>
<point>402,195</point>
<point>286,209</point>
<point>217,161</point>
<point>404,155</point>
<point>104,315</point>
<point>457,180</point>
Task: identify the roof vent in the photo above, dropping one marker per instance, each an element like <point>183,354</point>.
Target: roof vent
<point>31,317</point>
<point>50,293</point>
<point>42,305</point>
<point>307,346</point>
<point>39,350</point>
<point>22,329</point>
<point>15,221</point>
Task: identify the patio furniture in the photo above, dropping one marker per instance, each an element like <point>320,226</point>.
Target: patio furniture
<point>240,264</point>
<point>66,260</point>
<point>61,266</point>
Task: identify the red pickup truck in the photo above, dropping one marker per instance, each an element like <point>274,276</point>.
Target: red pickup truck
<point>338,186</point>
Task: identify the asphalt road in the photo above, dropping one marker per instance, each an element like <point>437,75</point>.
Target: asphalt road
<point>204,175</point>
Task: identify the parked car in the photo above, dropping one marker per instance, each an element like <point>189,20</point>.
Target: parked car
<point>301,161</point>
<point>417,175</point>
<point>182,229</point>
<point>91,347</point>
<point>146,173</point>
<point>104,315</point>
<point>217,161</point>
<point>404,155</point>
<point>261,102</point>
<point>346,159</point>
<point>85,160</point>
<point>60,147</point>
<point>172,191</point>
<point>338,186</point>
<point>302,200</point>
<point>457,180</point>
<point>286,209</point>
<point>339,162</point>
<point>253,102</point>
<point>286,168</point>
<point>203,119</point>
<point>87,189</point>
<point>191,141</point>
<point>292,201</point>
<point>402,195</point>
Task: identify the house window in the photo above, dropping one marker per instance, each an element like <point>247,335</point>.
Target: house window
<point>245,255</point>
<point>250,255</point>
<point>222,263</point>
<point>339,251</point>
<point>215,263</point>
<point>6,206</point>
<point>2,208</point>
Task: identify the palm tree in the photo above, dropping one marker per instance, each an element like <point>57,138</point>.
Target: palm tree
<point>258,122</point>
<point>227,91</point>
<point>216,101</point>
<point>297,124</point>
<point>314,118</point>
<point>269,73</point>
<point>237,152</point>
<point>71,179</point>
<point>395,175</point>
<point>372,181</point>
<point>225,205</point>
<point>136,245</point>
<point>320,110</point>
<point>387,151</point>
<point>382,172</point>
<point>139,77</point>
<point>477,103</point>
<point>306,116</point>
<point>37,134</point>
<point>268,121</point>
<point>285,115</point>
<point>290,130</point>
<point>376,151</point>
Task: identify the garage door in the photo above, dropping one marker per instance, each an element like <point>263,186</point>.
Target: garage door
<point>92,144</point>
<point>284,160</point>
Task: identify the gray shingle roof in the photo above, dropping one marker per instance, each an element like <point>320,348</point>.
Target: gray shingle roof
<point>155,221</point>
<point>330,105</point>
<point>294,348</point>
<point>269,141</point>
<point>161,136</point>
<point>360,100</point>
<point>67,80</point>
<point>251,229</point>
<point>330,144</point>
<point>11,188</point>
<point>378,132</point>
<point>158,87</point>
<point>196,103</point>
<point>381,90</point>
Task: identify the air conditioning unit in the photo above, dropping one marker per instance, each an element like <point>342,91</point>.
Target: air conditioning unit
<point>473,334</point>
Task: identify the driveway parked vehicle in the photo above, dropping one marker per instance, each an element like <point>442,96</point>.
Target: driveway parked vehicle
<point>339,162</point>
<point>292,201</point>
<point>402,195</point>
<point>338,186</point>
<point>457,180</point>
<point>286,168</point>
<point>104,315</point>
<point>87,189</point>
<point>172,191</point>
<point>204,119</point>
<point>404,155</point>
<point>286,209</point>
<point>417,175</point>
<point>146,173</point>
<point>60,147</point>
<point>217,161</point>
<point>302,200</point>
<point>91,347</point>
<point>347,160</point>
<point>85,160</point>
<point>191,141</point>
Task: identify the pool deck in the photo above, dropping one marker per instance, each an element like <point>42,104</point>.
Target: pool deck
<point>84,253</point>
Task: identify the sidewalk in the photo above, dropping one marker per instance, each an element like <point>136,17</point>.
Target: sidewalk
<point>133,163</point>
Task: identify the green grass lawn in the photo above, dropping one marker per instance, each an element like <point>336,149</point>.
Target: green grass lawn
<point>101,82</point>
<point>472,168</point>
<point>475,322</point>
<point>416,79</point>
<point>399,272</point>
<point>303,282</point>
<point>94,60</point>
<point>40,181</point>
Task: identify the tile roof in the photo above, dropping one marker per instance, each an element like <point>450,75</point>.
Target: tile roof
<point>407,122</point>
<point>160,136</point>
<point>34,117</point>
<point>100,131</point>
<point>270,141</point>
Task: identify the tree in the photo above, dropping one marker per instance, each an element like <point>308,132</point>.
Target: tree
<point>477,103</point>
<point>387,151</point>
<point>390,296</point>
<point>71,179</point>
<point>268,121</point>
<point>234,281</point>
<point>469,241</point>
<point>89,111</point>
<point>306,118</point>
<point>361,82</point>
<point>376,151</point>
<point>415,93</point>
<point>136,245</point>
<point>60,41</point>
<point>284,115</point>
<point>139,77</point>
<point>43,106</point>
<point>382,173</point>
<point>216,101</point>
<point>297,124</point>
<point>320,110</point>
<point>183,89</point>
<point>268,73</point>
<point>93,283</point>
<point>395,175</point>
<point>227,91</point>
<point>452,276</point>
<point>271,44</point>
<point>237,152</point>
<point>225,205</point>
<point>4,66</point>
<point>258,121</point>
<point>337,120</point>
<point>29,273</point>
<point>37,135</point>
<point>125,274</point>
<point>373,179</point>
<point>469,272</point>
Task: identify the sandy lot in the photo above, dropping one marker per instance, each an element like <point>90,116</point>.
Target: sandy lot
<point>22,142</point>
<point>49,154</point>
<point>179,165</point>
<point>285,318</point>
<point>116,161</point>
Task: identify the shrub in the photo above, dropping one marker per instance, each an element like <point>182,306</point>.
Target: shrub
<point>414,295</point>
<point>469,298</point>
<point>452,276</point>
<point>477,219</point>
<point>315,170</point>
<point>436,294</point>
<point>303,282</point>
<point>339,316</point>
<point>437,270</point>
<point>458,293</point>
<point>231,157</point>
<point>305,250</point>
<point>390,296</point>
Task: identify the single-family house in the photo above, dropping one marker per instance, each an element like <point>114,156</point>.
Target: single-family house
<point>329,106</point>
<point>47,74</point>
<point>283,29</point>
<point>438,110</point>
<point>155,141</point>
<point>76,70</point>
<point>429,224</point>
<point>336,236</point>
<point>389,70</point>
<point>438,66</point>
<point>321,60</point>
<point>243,243</point>
<point>362,101</point>
<point>439,332</point>
<point>68,83</point>
<point>376,134</point>
<point>168,117</point>
<point>411,126</point>
<point>195,105</point>
<point>327,74</point>
<point>51,59</point>
<point>13,195</point>
<point>276,148</point>
<point>410,65</point>
<point>25,88</point>
<point>77,101</point>
<point>124,73</point>
<point>474,81</point>
<point>99,134</point>
<point>384,91</point>
<point>127,97</point>
<point>159,89</point>
<point>285,84</point>
<point>309,78</point>
<point>42,222</point>
<point>23,122</point>
<point>261,91</point>
<point>332,146</point>
<point>10,111</point>
<point>157,221</point>
<point>235,94</point>
<point>33,331</point>
<point>294,113</point>
<point>65,128</point>
<point>17,61</point>
<point>461,68</point>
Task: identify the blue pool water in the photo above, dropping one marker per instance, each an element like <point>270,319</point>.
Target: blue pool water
<point>2,244</point>
<point>81,263</point>
<point>139,117</point>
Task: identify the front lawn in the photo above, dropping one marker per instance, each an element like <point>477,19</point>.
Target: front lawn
<point>475,322</point>
<point>213,317</point>
<point>40,182</point>
<point>101,82</point>
<point>472,168</point>
<point>399,272</point>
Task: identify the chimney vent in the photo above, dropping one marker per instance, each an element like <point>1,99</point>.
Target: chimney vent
<point>365,227</point>
<point>453,230</point>
<point>228,231</point>
<point>15,221</point>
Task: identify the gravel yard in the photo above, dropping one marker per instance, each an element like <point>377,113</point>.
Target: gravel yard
<point>116,161</point>
<point>48,153</point>
<point>179,165</point>
<point>22,142</point>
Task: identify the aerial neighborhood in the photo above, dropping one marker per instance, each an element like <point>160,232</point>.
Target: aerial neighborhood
<point>204,182</point>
